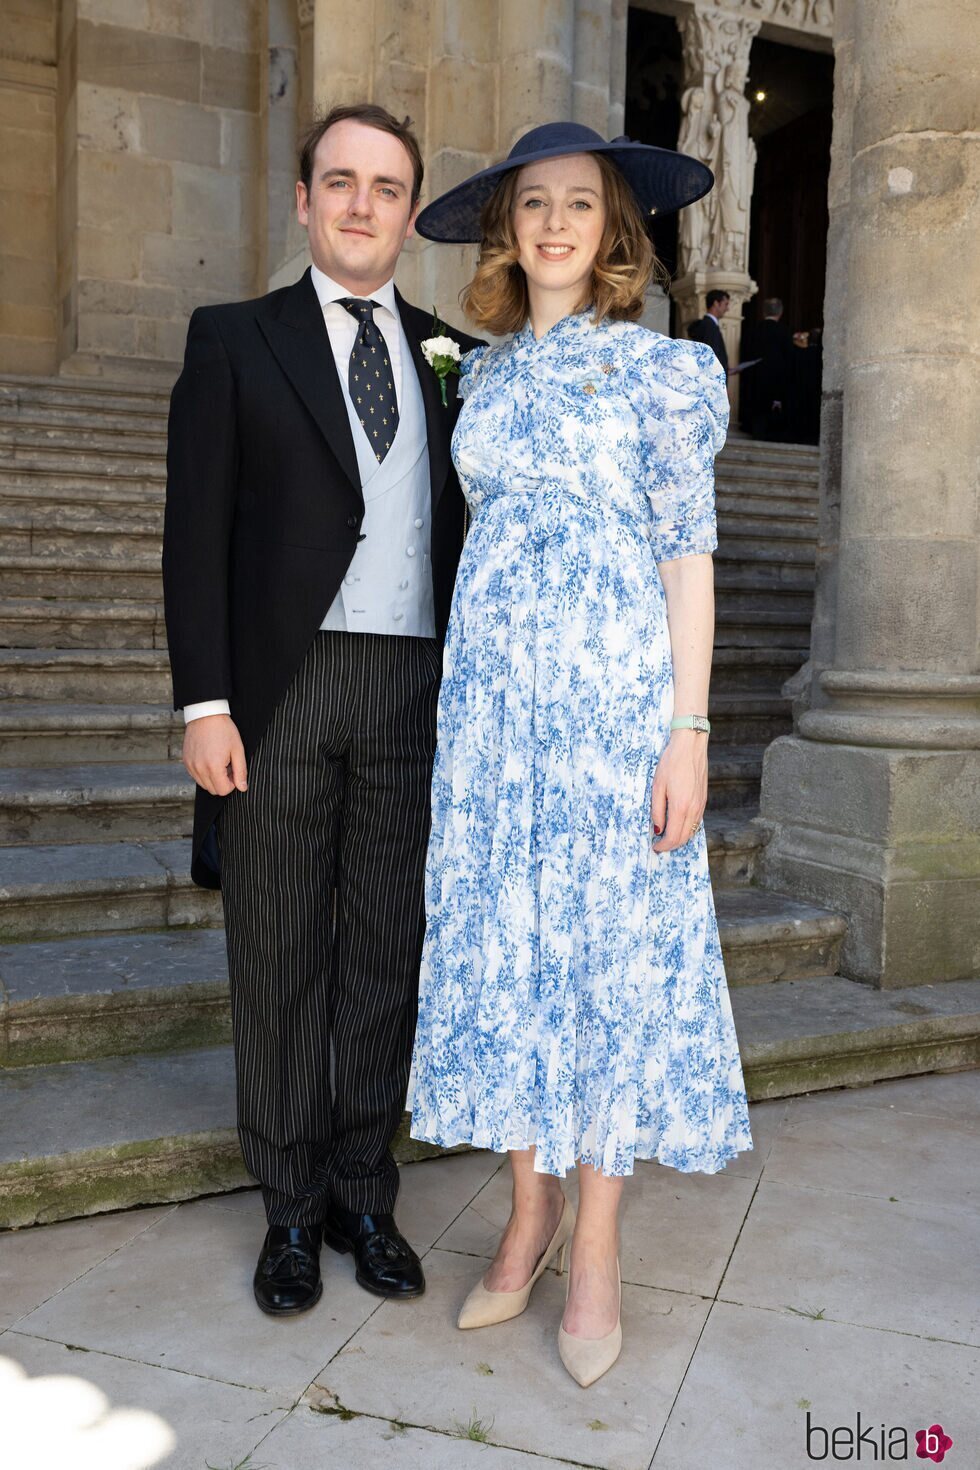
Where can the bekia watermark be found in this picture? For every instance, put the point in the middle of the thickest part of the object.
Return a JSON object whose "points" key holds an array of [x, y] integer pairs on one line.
{"points": [[870, 1443]]}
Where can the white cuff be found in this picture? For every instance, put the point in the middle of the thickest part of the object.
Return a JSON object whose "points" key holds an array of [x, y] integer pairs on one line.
{"points": [[209, 707]]}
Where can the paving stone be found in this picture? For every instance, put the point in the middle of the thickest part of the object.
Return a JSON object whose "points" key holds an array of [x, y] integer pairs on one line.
{"points": [[875, 1151], [313, 1436], [36, 1264], [757, 1374], [207, 1258], [416, 1368], [808, 1248], [83, 1408]]}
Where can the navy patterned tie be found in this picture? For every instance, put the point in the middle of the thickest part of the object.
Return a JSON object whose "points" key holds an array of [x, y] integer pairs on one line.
{"points": [[369, 377]]}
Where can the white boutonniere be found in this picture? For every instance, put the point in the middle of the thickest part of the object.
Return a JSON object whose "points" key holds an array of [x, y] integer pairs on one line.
{"points": [[442, 353]]}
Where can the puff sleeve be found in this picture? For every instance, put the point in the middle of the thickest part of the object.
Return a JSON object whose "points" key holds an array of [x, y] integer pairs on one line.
{"points": [[684, 420]]}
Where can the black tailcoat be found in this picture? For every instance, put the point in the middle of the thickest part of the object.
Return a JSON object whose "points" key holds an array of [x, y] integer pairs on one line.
{"points": [[264, 506]]}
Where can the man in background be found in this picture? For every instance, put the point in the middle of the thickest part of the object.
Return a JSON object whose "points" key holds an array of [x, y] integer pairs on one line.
{"points": [[766, 406], [706, 328]]}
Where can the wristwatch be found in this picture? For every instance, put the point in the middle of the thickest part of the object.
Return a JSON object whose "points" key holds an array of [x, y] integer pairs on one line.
{"points": [[692, 722]]}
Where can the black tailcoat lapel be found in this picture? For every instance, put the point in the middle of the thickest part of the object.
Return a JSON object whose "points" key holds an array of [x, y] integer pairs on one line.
{"points": [[298, 337]]}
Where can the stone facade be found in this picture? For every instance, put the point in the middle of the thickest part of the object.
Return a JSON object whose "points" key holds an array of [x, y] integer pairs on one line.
{"points": [[148, 146], [147, 165], [28, 144]]}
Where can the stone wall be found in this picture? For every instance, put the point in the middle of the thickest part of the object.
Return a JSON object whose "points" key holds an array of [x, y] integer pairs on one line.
{"points": [[28, 294], [161, 200], [472, 77]]}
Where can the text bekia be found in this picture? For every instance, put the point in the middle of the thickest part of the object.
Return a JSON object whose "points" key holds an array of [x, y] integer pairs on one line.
{"points": [[873, 1443]]}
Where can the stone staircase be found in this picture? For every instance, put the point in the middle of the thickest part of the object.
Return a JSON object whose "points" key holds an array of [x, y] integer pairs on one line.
{"points": [[116, 1079]]}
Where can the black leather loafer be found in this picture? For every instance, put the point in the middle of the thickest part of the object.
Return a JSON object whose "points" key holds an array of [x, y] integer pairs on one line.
{"points": [[384, 1261], [287, 1277]]}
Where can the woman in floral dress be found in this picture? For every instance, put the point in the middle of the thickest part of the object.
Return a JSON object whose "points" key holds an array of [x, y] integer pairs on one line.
{"points": [[573, 1007]]}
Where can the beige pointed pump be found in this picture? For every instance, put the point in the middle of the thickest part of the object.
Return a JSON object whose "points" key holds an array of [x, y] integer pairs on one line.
{"points": [[587, 1358], [483, 1308]]}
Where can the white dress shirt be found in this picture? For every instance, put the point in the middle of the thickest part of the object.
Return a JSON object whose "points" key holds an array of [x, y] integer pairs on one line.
{"points": [[408, 606]]}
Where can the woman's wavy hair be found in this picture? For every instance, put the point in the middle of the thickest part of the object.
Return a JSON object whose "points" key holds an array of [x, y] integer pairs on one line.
{"points": [[496, 299]]}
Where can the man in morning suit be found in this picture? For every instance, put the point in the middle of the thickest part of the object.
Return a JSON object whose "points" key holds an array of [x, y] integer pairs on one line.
{"points": [[706, 328], [313, 528]]}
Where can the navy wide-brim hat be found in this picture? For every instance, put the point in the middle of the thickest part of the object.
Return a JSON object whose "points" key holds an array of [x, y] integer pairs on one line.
{"points": [[661, 179]]}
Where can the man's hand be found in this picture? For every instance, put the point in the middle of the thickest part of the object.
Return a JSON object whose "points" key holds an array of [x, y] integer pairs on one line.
{"points": [[680, 789], [214, 755]]}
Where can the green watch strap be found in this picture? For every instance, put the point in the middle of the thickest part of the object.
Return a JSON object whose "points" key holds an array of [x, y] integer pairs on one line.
{"points": [[692, 722]]}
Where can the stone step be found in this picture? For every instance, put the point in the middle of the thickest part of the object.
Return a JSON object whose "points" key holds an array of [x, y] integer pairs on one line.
{"points": [[58, 890], [739, 447], [98, 888], [86, 803], [51, 623], [765, 573], [68, 532], [741, 670], [734, 774], [117, 800], [43, 733], [21, 433], [84, 1137], [773, 560], [102, 419], [142, 676], [84, 575], [19, 392], [70, 1000], [772, 512], [765, 480], [739, 595], [752, 718], [112, 995], [93, 675], [82, 578], [25, 486], [767, 937], [53, 458], [768, 629], [801, 530], [47, 733]]}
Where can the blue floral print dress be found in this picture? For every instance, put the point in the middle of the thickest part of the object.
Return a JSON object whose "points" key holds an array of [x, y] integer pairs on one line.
{"points": [[572, 993]]}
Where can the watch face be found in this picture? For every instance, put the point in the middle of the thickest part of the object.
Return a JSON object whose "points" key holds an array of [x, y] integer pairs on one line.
{"points": [[700, 723]]}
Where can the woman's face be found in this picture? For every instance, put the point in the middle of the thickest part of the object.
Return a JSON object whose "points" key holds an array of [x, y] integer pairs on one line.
{"points": [[559, 217]]}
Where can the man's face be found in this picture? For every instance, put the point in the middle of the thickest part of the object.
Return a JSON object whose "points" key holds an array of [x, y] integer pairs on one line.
{"points": [[358, 212], [720, 307]]}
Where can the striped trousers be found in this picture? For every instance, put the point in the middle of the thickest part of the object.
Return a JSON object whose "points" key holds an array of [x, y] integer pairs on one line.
{"points": [[322, 863]]}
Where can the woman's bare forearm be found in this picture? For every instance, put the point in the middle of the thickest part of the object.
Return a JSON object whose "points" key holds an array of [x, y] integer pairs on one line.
{"points": [[689, 587]]}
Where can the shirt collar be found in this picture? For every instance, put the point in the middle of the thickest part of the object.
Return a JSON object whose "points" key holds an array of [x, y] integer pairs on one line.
{"points": [[328, 290]]}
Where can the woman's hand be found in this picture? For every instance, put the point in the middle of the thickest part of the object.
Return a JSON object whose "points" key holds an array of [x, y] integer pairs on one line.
{"points": [[680, 789]]}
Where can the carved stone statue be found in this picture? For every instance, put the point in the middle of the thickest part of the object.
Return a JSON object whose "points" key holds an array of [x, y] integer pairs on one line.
{"points": [[728, 249], [699, 135]]}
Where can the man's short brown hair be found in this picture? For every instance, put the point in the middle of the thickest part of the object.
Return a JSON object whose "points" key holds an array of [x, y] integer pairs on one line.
{"points": [[371, 116]]}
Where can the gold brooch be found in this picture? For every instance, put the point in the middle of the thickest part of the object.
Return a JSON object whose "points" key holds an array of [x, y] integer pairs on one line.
{"points": [[588, 387], [606, 367]]}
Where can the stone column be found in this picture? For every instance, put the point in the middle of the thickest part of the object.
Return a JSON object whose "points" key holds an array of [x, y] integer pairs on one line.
{"points": [[873, 804], [714, 233]]}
